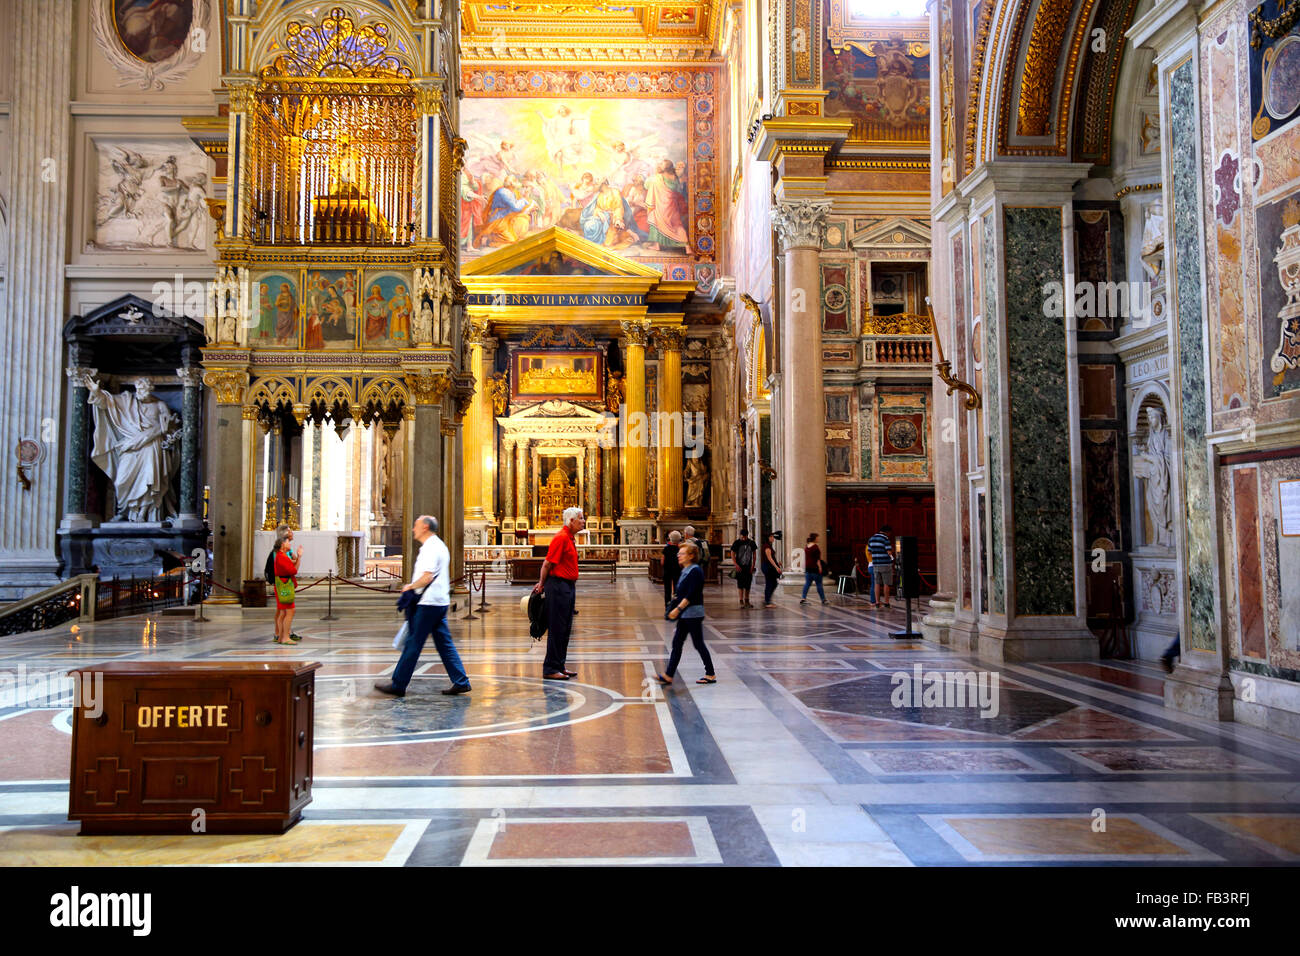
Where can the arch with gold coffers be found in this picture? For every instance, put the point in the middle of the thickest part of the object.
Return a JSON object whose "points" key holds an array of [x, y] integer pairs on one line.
{"points": [[1021, 46]]}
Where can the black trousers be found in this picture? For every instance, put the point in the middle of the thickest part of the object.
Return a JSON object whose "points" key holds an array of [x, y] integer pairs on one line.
{"points": [[669, 581], [770, 581], [693, 626], [559, 606]]}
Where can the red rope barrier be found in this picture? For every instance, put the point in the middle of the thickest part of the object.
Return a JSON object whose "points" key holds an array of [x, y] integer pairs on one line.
{"points": [[366, 587], [224, 588]]}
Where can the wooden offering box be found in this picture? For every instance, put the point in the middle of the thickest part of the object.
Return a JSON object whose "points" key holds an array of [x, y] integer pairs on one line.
{"points": [[192, 747]]}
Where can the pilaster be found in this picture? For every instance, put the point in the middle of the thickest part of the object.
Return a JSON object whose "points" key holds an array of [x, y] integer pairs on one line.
{"points": [[38, 151]]}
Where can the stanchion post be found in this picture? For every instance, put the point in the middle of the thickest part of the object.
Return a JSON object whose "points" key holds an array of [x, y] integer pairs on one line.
{"points": [[200, 618], [482, 586], [329, 610]]}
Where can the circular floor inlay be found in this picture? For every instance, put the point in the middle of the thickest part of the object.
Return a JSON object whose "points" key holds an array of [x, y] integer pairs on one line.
{"points": [[350, 711]]}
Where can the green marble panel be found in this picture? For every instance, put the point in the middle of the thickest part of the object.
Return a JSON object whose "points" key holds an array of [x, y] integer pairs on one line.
{"points": [[1190, 355], [993, 417], [1037, 374]]}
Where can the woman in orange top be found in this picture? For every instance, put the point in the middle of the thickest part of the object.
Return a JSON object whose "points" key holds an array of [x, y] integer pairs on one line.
{"points": [[286, 583]]}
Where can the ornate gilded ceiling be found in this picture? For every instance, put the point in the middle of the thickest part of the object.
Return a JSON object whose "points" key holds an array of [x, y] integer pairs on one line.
{"points": [[620, 30]]}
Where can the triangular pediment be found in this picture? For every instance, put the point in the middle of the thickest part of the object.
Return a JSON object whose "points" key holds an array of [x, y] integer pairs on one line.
{"points": [[557, 252], [898, 232], [555, 409]]}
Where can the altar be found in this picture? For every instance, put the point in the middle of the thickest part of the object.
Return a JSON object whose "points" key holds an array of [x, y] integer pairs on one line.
{"points": [[323, 552]]}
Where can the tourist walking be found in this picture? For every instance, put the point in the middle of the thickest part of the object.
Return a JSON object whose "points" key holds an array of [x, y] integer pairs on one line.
{"points": [[688, 611], [743, 553], [559, 579], [282, 532], [286, 586], [428, 616], [771, 570], [689, 534], [670, 564], [882, 565], [813, 569]]}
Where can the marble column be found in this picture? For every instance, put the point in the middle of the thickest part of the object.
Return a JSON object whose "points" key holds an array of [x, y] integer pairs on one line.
{"points": [[949, 427], [191, 378], [523, 505], [634, 451], [508, 487], [424, 474], [78, 447], [799, 226], [670, 342], [592, 486], [607, 482], [1034, 463], [453, 505], [32, 315], [1200, 685], [230, 476]]}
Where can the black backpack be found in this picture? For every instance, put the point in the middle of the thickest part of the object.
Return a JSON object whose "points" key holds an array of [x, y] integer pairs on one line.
{"points": [[269, 571]]}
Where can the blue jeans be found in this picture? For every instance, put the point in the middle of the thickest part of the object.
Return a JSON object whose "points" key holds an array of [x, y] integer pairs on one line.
{"points": [[808, 578], [426, 619]]}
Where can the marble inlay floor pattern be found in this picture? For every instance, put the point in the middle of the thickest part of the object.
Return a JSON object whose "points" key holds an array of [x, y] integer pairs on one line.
{"points": [[801, 754]]}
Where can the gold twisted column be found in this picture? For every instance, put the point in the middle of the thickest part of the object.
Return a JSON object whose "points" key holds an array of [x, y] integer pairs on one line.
{"points": [[634, 490], [671, 427]]}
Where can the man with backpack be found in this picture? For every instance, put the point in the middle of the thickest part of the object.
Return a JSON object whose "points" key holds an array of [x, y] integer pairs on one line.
{"points": [[743, 553]]}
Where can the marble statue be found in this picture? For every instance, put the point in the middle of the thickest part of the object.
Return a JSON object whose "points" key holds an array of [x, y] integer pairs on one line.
{"points": [[424, 324], [1153, 239], [1151, 462], [444, 321], [137, 445], [697, 473]]}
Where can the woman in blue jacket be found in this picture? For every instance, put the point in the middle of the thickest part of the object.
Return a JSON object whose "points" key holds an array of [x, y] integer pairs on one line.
{"points": [[688, 611]]}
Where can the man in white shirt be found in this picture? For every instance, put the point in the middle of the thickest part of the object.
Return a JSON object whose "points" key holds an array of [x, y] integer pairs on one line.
{"points": [[429, 616]]}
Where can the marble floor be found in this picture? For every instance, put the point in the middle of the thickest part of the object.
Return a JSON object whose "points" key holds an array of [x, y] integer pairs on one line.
{"points": [[824, 742]]}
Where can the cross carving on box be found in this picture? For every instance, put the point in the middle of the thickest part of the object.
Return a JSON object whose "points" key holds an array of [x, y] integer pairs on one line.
{"points": [[252, 781], [106, 782]]}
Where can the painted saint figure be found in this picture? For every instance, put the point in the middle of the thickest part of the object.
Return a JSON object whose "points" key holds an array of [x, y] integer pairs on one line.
{"points": [[665, 204], [399, 315]]}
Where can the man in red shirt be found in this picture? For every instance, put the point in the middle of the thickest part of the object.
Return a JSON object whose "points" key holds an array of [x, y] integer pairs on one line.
{"points": [[559, 578]]}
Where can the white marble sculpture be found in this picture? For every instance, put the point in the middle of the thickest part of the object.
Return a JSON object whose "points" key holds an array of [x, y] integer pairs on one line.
{"points": [[424, 324], [151, 196], [1151, 463], [137, 445]]}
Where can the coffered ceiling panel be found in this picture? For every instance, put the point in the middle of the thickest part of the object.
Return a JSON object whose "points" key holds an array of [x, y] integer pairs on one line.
{"points": [[614, 31]]}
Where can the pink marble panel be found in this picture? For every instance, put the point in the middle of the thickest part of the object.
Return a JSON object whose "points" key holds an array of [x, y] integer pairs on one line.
{"points": [[1250, 572]]}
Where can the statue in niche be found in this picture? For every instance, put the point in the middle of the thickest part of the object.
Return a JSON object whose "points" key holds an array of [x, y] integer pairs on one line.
{"points": [[1151, 463], [499, 391], [424, 324], [697, 475], [444, 321], [613, 391], [136, 445], [1153, 239]]}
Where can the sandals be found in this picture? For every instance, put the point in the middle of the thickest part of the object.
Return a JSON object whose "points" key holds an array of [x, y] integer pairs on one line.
{"points": [[707, 679], [666, 681]]}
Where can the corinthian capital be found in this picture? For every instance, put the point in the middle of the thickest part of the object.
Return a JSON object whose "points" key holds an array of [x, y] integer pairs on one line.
{"points": [[636, 333], [671, 339], [800, 223]]}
